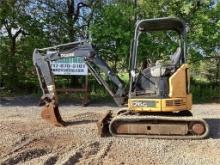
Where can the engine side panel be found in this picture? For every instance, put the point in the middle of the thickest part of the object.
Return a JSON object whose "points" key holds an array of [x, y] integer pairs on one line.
{"points": [[178, 82], [160, 105]]}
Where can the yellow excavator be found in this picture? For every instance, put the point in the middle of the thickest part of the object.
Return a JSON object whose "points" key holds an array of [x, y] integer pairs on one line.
{"points": [[158, 101]]}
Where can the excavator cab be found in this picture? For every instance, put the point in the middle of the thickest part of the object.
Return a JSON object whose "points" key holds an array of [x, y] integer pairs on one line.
{"points": [[153, 81], [153, 87]]}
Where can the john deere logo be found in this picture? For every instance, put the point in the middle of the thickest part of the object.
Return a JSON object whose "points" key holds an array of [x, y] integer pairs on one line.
{"points": [[67, 54]]}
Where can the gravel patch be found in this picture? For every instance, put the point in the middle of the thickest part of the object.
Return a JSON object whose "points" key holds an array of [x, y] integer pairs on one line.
{"points": [[27, 139]]}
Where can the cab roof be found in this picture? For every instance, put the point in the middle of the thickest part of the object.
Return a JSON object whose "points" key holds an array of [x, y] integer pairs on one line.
{"points": [[161, 24]]}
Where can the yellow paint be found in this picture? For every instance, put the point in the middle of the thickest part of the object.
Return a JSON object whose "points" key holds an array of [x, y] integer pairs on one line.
{"points": [[177, 82], [189, 101], [161, 105]]}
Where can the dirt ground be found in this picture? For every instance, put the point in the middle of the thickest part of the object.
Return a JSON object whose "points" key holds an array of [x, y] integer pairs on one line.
{"points": [[26, 139]]}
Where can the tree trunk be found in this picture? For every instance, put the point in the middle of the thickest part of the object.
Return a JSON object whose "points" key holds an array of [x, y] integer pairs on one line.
{"points": [[12, 67], [70, 15], [115, 64]]}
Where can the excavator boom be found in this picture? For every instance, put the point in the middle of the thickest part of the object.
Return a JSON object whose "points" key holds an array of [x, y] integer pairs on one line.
{"points": [[42, 59]]}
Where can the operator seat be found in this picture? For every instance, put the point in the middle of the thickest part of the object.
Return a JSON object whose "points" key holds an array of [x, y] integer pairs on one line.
{"points": [[175, 58], [154, 80], [161, 69]]}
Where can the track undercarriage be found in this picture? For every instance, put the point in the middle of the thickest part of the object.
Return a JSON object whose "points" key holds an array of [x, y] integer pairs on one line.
{"points": [[168, 126], [125, 123]]}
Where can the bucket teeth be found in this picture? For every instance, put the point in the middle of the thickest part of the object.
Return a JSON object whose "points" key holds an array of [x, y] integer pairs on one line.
{"points": [[51, 114]]}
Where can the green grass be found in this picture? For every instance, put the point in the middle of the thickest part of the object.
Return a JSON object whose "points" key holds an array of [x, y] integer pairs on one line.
{"points": [[124, 77], [204, 92]]}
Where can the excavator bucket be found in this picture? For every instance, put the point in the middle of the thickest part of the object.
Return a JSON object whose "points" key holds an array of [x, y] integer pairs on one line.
{"points": [[51, 114], [103, 124]]}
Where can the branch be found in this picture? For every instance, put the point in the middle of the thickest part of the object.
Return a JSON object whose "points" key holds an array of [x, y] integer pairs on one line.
{"points": [[70, 6], [79, 6], [5, 22], [92, 6], [20, 31]]}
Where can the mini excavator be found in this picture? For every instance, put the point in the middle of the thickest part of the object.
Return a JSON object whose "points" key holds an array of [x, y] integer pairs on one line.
{"points": [[158, 101]]}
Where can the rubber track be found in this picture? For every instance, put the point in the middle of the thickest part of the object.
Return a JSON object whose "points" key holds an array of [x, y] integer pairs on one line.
{"points": [[133, 118]]}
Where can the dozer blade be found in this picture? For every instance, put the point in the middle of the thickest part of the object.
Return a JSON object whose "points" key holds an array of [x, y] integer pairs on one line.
{"points": [[158, 127], [103, 124], [51, 114]]}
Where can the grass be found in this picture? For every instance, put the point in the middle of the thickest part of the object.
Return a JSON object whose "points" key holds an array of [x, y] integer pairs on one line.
{"points": [[124, 77], [202, 91]]}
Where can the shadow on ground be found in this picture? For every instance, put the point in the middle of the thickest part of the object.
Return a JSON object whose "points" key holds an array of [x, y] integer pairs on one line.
{"points": [[63, 101], [214, 128], [19, 101], [69, 123]]}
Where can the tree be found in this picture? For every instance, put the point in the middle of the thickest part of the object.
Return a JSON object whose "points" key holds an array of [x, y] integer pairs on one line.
{"points": [[13, 20], [29, 24], [112, 30], [202, 20]]}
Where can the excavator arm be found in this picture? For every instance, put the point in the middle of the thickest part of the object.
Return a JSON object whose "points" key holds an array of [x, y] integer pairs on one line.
{"points": [[42, 59]]}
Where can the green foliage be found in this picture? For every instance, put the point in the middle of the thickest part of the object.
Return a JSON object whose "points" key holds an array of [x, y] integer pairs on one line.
{"points": [[204, 92], [20, 34], [112, 31]]}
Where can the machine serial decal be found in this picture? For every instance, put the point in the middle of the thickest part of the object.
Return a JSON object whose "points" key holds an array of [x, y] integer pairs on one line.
{"points": [[144, 103]]}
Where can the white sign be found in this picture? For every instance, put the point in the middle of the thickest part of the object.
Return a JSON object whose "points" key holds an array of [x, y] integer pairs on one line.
{"points": [[69, 66]]}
